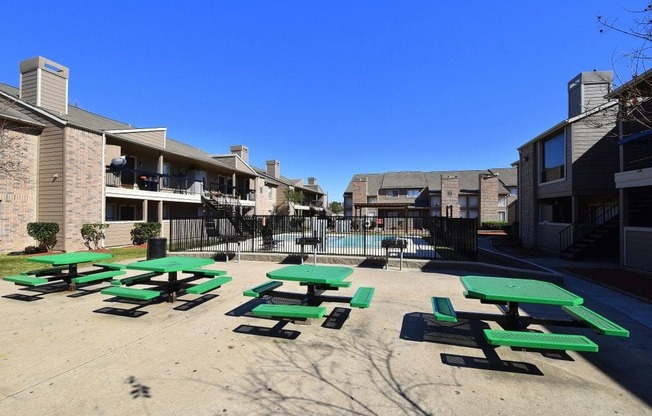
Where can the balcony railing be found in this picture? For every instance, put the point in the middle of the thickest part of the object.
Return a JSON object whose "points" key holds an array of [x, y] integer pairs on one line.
{"points": [[150, 181], [637, 154], [242, 192]]}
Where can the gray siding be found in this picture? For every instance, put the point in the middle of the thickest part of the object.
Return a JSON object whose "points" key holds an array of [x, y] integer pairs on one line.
{"points": [[637, 249], [549, 235], [594, 155]]}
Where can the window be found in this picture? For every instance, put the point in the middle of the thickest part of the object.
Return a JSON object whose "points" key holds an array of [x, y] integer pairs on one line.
{"points": [[392, 193], [502, 216], [166, 172], [435, 201], [556, 210], [502, 200], [468, 206], [413, 193], [552, 159], [110, 212], [513, 191], [127, 213]]}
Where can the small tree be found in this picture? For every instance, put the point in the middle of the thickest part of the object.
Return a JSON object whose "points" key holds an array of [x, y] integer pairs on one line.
{"points": [[93, 233], [44, 232], [335, 207], [144, 231], [293, 196]]}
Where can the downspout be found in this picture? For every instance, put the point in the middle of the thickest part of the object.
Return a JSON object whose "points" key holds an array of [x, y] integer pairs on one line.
{"points": [[64, 179]]}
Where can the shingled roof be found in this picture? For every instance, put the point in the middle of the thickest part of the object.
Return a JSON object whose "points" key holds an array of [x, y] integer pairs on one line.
{"points": [[103, 125], [468, 180]]}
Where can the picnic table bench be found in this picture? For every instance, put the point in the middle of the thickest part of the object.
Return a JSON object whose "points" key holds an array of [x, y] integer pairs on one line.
{"points": [[510, 292], [317, 279]]}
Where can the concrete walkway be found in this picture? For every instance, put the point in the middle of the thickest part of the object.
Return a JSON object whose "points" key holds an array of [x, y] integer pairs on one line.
{"points": [[84, 353]]}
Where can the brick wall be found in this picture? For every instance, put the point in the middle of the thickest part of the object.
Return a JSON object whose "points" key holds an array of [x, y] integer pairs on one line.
{"points": [[18, 186], [527, 218], [83, 176], [450, 189], [359, 195], [489, 198]]}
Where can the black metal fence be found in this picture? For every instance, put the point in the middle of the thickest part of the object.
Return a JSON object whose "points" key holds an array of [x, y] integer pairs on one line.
{"points": [[435, 238]]}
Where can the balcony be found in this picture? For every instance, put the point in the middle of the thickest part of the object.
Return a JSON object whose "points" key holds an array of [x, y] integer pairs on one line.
{"points": [[637, 154], [153, 182]]}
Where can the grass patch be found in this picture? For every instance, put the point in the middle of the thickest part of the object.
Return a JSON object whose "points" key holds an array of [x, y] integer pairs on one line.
{"points": [[15, 264]]}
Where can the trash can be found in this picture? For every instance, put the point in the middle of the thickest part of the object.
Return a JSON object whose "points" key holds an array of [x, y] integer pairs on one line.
{"points": [[156, 248]]}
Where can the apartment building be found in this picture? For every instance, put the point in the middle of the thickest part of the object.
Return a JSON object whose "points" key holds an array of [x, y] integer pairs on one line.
{"points": [[566, 174], [489, 195], [63, 164]]}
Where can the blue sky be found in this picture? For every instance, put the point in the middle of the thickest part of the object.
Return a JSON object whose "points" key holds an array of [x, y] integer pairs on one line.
{"points": [[328, 88]]}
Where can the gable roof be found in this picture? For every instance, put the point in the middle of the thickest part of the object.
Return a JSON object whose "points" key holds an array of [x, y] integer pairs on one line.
{"points": [[103, 125]]}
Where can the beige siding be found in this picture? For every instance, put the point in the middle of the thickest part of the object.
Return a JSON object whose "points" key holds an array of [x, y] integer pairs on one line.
{"points": [[156, 138], [53, 92], [18, 189], [50, 200], [84, 176], [29, 87], [118, 234]]}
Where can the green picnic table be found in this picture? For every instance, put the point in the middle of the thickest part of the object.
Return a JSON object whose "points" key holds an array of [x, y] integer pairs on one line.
{"points": [[515, 291], [68, 261], [509, 293], [311, 273], [317, 279], [171, 265]]}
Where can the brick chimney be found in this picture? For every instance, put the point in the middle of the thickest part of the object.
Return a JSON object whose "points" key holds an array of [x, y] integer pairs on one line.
{"points": [[587, 90], [242, 151], [274, 168], [44, 83], [450, 189]]}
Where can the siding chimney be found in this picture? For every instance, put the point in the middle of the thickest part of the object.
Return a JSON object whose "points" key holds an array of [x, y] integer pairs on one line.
{"points": [[44, 83], [587, 91], [312, 181], [274, 168], [242, 151]]}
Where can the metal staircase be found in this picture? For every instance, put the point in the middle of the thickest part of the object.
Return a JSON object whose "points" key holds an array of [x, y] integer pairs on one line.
{"points": [[590, 232], [225, 208]]}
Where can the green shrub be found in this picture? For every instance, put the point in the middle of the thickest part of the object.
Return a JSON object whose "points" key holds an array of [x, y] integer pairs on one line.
{"points": [[44, 232], [494, 225], [143, 231], [93, 233]]}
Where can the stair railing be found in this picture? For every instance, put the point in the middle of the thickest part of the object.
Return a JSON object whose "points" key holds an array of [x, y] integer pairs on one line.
{"points": [[588, 223]]}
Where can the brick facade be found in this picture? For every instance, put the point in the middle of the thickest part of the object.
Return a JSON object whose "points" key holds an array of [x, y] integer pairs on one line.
{"points": [[450, 190], [489, 198], [527, 196], [83, 184], [18, 186]]}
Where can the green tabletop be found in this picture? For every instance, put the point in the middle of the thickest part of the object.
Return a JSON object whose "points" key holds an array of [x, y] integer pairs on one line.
{"points": [[170, 264], [518, 290], [70, 258], [311, 273]]}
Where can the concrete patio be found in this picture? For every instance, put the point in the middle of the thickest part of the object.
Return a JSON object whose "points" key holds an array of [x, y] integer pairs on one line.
{"points": [[64, 353]]}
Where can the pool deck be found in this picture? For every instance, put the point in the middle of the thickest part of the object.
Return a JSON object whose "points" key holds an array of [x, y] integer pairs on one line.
{"points": [[60, 356]]}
